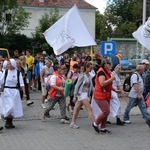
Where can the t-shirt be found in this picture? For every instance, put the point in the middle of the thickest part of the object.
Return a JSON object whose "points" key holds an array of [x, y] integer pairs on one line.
{"points": [[47, 71], [71, 64], [29, 61], [136, 79]]}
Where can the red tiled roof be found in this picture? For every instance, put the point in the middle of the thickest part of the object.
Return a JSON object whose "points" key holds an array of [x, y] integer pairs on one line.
{"points": [[56, 3]]}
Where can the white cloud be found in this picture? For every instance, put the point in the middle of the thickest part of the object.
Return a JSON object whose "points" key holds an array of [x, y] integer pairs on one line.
{"points": [[100, 4]]}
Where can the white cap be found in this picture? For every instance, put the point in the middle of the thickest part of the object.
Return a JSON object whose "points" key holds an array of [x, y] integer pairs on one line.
{"points": [[145, 61], [44, 52]]}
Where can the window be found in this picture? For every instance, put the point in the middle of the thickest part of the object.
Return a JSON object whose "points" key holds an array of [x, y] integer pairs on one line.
{"points": [[41, 0]]}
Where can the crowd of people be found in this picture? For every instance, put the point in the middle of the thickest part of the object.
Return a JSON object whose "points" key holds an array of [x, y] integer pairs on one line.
{"points": [[94, 85]]}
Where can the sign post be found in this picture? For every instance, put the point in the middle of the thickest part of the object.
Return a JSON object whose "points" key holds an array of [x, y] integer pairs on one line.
{"points": [[108, 48]]}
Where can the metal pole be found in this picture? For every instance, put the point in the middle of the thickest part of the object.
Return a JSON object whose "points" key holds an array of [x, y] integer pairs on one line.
{"points": [[144, 19]]}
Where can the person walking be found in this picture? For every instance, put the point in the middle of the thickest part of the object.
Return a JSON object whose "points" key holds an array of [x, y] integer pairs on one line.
{"points": [[115, 106], [136, 97], [25, 80], [56, 94], [73, 75], [45, 72], [102, 95], [82, 92], [11, 101], [38, 68]]}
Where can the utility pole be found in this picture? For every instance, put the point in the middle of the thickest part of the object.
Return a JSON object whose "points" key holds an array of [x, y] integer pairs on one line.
{"points": [[144, 19]]}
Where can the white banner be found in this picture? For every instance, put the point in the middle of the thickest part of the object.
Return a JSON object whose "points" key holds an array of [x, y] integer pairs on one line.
{"points": [[67, 32], [143, 34]]}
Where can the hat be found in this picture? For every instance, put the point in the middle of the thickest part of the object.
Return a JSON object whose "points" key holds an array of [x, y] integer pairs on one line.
{"points": [[44, 52], [105, 61], [145, 61], [13, 63]]}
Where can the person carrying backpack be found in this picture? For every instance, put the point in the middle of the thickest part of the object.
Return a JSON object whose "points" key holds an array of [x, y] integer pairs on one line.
{"points": [[136, 96], [56, 95], [73, 75], [10, 97]]}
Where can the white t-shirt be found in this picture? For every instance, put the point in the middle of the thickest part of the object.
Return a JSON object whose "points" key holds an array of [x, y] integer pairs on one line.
{"points": [[136, 78]]}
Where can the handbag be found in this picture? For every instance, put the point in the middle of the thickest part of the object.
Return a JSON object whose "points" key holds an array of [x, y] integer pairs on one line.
{"points": [[148, 100]]}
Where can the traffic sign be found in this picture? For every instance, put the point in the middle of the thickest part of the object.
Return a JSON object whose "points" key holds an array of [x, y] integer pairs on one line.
{"points": [[108, 48]]}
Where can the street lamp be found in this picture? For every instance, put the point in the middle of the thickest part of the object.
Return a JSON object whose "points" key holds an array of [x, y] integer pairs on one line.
{"points": [[144, 19]]}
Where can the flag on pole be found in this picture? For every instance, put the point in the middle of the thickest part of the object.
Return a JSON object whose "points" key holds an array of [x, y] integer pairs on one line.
{"points": [[143, 34], [69, 31], [91, 53]]}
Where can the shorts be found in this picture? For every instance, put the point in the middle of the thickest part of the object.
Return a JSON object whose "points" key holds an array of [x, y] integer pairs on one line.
{"points": [[44, 91], [83, 96], [30, 75]]}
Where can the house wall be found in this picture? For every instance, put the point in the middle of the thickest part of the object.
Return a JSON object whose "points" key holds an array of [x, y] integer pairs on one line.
{"points": [[88, 16]]}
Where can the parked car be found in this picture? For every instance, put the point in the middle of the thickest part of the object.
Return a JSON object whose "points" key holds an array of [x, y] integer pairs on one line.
{"points": [[137, 59], [125, 64], [4, 52]]}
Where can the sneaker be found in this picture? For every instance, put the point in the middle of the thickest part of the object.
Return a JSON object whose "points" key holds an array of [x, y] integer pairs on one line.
{"points": [[43, 106], [1, 128], [105, 131], [74, 126], [95, 128], [64, 121], [108, 122], [29, 102], [46, 100], [119, 122], [67, 118], [47, 115], [127, 121], [148, 122]]}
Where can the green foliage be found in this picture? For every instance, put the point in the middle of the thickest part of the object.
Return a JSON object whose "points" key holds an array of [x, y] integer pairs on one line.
{"points": [[103, 29], [13, 18], [15, 41], [125, 30], [44, 23], [125, 16]]}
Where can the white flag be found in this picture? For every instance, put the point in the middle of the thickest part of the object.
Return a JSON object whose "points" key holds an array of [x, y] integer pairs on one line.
{"points": [[67, 32], [143, 34]]}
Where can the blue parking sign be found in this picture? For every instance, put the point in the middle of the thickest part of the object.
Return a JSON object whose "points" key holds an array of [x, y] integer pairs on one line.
{"points": [[108, 48]]}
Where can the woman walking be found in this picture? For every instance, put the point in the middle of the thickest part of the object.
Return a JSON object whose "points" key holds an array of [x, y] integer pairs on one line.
{"points": [[56, 94], [45, 72], [11, 101], [82, 92], [102, 95]]}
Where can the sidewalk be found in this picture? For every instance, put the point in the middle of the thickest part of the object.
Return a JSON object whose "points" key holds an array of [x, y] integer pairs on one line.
{"points": [[33, 134]]}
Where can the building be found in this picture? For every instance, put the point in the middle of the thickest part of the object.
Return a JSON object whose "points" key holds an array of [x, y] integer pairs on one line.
{"points": [[40, 7]]}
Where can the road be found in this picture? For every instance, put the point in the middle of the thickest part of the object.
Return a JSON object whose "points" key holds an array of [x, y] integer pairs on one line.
{"points": [[33, 134]]}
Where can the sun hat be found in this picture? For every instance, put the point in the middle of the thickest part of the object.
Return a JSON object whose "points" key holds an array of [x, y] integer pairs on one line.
{"points": [[145, 61]]}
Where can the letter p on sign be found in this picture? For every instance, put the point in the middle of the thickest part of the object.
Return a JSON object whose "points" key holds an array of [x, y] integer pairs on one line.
{"points": [[108, 48]]}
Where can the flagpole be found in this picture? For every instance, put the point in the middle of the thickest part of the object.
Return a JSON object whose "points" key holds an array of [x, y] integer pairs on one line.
{"points": [[143, 22]]}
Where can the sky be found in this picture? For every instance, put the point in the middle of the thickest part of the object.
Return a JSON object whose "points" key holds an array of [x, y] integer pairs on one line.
{"points": [[100, 4]]}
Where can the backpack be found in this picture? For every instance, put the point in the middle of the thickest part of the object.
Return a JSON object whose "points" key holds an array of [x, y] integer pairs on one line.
{"points": [[47, 83], [127, 83], [147, 81], [18, 83]]}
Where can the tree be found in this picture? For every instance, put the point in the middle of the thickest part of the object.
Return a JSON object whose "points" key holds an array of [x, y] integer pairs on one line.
{"points": [[13, 18], [125, 16], [103, 29]]}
